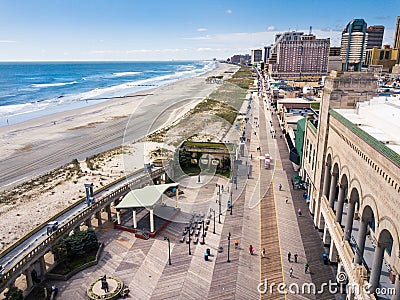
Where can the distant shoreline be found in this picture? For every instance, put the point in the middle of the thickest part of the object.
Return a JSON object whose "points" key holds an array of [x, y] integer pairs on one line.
{"points": [[48, 142], [77, 90]]}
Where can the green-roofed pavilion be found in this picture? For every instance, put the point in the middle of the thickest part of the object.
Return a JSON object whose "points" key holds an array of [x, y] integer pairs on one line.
{"points": [[146, 197]]}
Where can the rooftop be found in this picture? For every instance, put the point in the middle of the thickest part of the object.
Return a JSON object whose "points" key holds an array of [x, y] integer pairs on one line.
{"points": [[379, 117], [145, 197], [294, 100]]}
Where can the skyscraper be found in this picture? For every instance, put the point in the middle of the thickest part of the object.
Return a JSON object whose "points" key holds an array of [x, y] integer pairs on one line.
{"points": [[256, 56], [375, 36], [396, 44], [267, 52], [302, 56], [354, 38]]}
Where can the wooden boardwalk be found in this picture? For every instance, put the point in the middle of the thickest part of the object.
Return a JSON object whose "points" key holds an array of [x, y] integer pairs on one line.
{"points": [[298, 235], [271, 265], [224, 279], [268, 223]]}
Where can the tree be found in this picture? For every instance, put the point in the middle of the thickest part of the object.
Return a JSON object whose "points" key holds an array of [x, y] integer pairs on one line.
{"points": [[79, 243], [184, 158]]}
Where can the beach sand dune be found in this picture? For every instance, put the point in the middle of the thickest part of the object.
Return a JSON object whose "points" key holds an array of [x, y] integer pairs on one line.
{"points": [[38, 146], [34, 147]]}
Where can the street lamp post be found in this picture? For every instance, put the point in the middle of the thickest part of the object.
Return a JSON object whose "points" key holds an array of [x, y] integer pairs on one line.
{"points": [[229, 245], [219, 202], [190, 253], [169, 249], [231, 203], [213, 211], [203, 242]]}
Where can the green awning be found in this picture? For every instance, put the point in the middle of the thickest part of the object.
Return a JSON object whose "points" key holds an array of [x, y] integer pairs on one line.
{"points": [[145, 197]]}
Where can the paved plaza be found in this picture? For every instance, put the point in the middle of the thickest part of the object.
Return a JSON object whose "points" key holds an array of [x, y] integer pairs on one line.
{"points": [[260, 217]]}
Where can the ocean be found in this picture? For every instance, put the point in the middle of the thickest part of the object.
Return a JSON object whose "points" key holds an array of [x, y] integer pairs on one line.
{"points": [[33, 89]]}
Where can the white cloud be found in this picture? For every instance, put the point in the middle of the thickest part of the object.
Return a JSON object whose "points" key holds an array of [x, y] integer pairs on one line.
{"points": [[224, 45], [7, 41], [271, 28], [228, 11], [213, 49], [157, 50], [201, 29], [205, 37], [166, 50]]}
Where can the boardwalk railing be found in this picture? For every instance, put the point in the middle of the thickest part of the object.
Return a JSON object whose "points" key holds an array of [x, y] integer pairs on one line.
{"points": [[40, 249], [44, 224]]}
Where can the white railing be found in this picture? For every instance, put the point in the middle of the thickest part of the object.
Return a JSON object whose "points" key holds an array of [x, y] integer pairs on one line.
{"points": [[39, 250]]}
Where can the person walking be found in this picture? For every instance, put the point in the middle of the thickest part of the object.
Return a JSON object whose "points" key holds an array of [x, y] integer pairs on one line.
{"points": [[295, 258], [291, 273], [236, 244], [289, 255], [299, 212], [251, 249], [286, 199], [263, 253], [306, 266], [280, 187]]}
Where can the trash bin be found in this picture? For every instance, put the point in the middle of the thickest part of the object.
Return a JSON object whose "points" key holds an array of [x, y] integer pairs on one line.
{"points": [[208, 251], [206, 256], [325, 259]]}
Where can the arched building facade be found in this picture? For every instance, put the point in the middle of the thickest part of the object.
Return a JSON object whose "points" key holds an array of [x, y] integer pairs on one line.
{"points": [[352, 165]]}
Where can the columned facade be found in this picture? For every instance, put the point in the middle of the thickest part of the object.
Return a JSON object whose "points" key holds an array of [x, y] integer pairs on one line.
{"points": [[354, 188]]}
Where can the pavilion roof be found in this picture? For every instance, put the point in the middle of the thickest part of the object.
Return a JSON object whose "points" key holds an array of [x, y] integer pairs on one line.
{"points": [[145, 197]]}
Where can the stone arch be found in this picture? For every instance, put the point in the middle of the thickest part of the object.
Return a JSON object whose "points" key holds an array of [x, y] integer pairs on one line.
{"points": [[354, 184], [344, 171], [355, 197], [344, 181], [369, 217], [368, 202], [387, 226], [328, 159], [335, 168], [336, 161]]}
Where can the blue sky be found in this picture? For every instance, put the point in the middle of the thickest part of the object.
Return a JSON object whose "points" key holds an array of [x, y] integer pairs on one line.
{"points": [[47, 30]]}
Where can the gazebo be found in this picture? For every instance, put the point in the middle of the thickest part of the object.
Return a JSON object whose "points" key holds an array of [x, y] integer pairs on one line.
{"points": [[146, 197]]}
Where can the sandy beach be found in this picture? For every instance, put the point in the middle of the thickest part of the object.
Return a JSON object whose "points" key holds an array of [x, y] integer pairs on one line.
{"points": [[37, 146]]}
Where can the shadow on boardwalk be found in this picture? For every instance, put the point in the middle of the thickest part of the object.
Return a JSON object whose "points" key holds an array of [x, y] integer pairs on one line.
{"points": [[310, 236]]}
